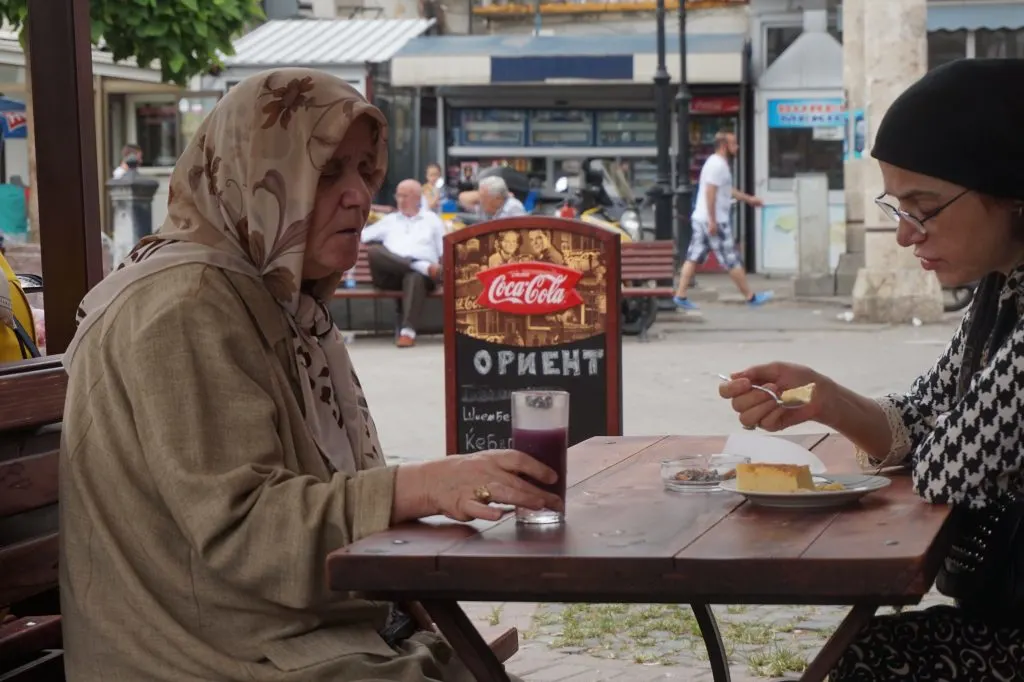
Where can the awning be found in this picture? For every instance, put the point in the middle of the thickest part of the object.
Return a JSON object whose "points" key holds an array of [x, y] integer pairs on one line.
{"points": [[971, 16], [628, 58], [324, 43]]}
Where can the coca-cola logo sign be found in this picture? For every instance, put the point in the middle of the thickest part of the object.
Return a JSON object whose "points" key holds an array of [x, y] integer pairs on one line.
{"points": [[530, 288]]}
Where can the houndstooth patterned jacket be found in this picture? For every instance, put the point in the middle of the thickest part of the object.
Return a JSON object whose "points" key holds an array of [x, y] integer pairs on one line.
{"points": [[969, 450]]}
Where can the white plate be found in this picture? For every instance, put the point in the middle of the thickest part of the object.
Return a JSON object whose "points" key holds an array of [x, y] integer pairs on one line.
{"points": [[857, 486]]}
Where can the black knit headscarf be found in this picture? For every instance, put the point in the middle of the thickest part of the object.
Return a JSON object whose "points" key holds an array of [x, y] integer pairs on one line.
{"points": [[964, 123]]}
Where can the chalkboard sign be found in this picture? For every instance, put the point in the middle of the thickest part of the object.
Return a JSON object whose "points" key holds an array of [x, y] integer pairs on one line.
{"points": [[530, 302]]}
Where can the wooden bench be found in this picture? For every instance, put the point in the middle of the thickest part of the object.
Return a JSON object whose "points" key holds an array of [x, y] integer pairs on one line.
{"points": [[644, 265], [31, 409], [365, 291]]}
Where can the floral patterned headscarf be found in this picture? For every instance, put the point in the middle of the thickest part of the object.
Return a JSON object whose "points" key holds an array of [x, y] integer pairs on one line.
{"points": [[241, 198]]}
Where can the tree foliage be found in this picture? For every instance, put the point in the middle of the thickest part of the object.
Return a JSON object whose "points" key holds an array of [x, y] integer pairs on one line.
{"points": [[186, 37]]}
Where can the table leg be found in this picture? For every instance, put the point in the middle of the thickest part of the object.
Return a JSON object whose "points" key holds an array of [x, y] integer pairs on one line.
{"points": [[839, 642], [712, 641], [470, 647]]}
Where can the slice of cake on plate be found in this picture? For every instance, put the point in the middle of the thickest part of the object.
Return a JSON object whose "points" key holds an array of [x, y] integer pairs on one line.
{"points": [[758, 477]]}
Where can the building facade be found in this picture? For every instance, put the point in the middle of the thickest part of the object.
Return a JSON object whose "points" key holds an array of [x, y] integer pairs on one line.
{"points": [[810, 118]]}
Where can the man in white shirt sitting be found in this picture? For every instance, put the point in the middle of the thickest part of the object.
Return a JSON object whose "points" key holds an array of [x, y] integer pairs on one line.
{"points": [[492, 200], [407, 255]]}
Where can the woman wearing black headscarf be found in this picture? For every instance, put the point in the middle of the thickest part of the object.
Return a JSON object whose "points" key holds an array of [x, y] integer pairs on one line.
{"points": [[951, 151]]}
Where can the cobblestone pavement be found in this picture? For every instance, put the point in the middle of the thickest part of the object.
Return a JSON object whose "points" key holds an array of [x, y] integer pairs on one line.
{"points": [[669, 387], [643, 642]]}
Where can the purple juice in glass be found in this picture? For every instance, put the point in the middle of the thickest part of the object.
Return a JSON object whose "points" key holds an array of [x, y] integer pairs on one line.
{"points": [[548, 446], [540, 428]]}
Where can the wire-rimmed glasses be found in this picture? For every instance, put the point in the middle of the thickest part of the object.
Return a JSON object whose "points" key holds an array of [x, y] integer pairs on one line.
{"points": [[898, 214]]}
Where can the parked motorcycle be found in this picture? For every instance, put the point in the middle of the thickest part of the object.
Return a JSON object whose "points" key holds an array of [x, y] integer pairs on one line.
{"points": [[603, 197]]}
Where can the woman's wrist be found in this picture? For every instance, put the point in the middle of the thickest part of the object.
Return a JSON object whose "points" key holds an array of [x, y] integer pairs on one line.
{"points": [[411, 496], [858, 418]]}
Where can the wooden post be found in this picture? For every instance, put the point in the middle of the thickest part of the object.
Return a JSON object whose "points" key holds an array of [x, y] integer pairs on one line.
{"points": [[60, 60]]}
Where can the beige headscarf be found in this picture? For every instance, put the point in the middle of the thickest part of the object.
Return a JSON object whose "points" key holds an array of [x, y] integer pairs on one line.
{"points": [[241, 199]]}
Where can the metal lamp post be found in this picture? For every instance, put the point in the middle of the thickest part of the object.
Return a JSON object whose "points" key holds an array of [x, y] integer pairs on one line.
{"points": [[661, 193], [684, 191]]}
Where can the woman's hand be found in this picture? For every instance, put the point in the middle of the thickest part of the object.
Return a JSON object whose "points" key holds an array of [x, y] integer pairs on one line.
{"points": [[449, 486], [758, 409]]}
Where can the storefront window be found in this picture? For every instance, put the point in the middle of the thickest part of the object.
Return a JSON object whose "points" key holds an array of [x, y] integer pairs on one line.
{"points": [[945, 47], [164, 127], [1001, 44], [193, 110], [805, 136], [156, 131]]}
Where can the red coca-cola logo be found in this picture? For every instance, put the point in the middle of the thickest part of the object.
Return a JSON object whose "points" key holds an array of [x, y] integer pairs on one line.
{"points": [[529, 288]]}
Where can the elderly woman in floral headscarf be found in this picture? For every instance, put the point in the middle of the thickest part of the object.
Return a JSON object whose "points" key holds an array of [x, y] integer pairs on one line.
{"points": [[217, 444]]}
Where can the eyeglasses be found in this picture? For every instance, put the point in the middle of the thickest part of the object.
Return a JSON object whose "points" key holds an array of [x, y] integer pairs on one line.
{"points": [[918, 222]]}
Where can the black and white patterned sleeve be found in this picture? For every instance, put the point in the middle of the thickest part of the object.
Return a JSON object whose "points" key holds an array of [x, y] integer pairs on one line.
{"points": [[912, 415], [974, 453]]}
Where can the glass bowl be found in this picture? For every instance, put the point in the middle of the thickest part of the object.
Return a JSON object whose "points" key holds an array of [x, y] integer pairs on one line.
{"points": [[699, 472]]}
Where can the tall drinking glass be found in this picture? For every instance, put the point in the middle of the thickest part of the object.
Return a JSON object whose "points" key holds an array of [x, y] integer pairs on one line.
{"points": [[540, 428]]}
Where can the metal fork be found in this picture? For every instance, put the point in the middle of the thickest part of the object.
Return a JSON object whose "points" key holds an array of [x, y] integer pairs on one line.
{"points": [[779, 401]]}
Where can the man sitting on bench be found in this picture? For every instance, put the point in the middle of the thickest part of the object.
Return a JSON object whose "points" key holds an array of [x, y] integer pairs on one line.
{"points": [[407, 254]]}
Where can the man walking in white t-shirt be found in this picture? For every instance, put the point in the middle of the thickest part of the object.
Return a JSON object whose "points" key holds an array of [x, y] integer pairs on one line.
{"points": [[710, 221]]}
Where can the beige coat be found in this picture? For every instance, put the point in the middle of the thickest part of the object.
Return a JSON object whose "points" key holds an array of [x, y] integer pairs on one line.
{"points": [[196, 512]]}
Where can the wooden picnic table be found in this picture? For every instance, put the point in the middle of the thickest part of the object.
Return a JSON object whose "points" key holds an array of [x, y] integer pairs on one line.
{"points": [[627, 540]]}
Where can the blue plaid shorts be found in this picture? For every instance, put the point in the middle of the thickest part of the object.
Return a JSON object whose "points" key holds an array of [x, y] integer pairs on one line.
{"points": [[721, 244]]}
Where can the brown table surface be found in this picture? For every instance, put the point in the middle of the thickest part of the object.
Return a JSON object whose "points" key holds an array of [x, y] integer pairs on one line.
{"points": [[627, 539]]}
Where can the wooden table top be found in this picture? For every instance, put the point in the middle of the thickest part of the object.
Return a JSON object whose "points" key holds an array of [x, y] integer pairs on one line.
{"points": [[626, 539]]}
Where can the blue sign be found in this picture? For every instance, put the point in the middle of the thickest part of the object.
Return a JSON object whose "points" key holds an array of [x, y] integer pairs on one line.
{"points": [[13, 121], [806, 113]]}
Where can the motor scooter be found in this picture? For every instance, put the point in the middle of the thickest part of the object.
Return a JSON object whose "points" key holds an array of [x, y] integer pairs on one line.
{"points": [[602, 196]]}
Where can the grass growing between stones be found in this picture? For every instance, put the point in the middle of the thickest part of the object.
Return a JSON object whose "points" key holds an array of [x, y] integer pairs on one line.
{"points": [[770, 641]]}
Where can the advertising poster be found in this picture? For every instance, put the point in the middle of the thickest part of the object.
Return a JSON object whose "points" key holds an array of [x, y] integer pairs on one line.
{"points": [[531, 310], [860, 133]]}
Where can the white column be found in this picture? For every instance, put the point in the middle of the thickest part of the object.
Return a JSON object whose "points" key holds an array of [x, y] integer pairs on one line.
{"points": [[891, 287], [851, 262]]}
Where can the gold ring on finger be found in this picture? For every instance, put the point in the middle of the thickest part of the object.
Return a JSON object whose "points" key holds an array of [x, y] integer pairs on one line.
{"points": [[482, 495]]}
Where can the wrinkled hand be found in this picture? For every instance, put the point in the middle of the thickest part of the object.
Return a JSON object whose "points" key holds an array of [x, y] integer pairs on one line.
{"points": [[450, 484], [757, 409]]}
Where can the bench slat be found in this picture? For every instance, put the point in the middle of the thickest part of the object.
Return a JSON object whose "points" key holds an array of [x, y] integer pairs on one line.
{"points": [[24, 636], [28, 483], [32, 398], [29, 549]]}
